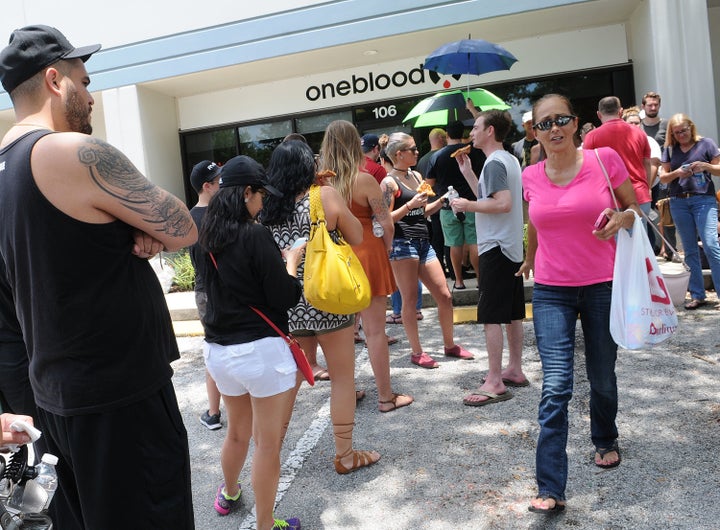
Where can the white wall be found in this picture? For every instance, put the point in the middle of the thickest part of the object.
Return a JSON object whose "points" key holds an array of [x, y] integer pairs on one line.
{"points": [[541, 55], [714, 22], [161, 141], [142, 124]]}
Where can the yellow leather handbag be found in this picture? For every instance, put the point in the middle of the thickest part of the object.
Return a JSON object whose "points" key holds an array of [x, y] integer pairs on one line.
{"points": [[334, 281]]}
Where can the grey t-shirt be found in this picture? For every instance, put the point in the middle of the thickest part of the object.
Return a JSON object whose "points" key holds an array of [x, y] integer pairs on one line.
{"points": [[501, 172]]}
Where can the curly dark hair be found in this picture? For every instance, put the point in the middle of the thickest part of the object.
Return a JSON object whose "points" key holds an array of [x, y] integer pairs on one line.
{"points": [[226, 218], [291, 170]]}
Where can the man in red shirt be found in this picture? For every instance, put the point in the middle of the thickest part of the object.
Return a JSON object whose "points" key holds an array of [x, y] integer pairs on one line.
{"points": [[371, 147], [632, 147]]}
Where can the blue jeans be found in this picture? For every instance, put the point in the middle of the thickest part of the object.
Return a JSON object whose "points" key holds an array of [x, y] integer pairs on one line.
{"points": [[397, 300], [697, 216], [555, 313]]}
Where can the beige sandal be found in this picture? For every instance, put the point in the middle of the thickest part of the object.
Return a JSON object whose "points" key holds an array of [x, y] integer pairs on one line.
{"points": [[360, 458]]}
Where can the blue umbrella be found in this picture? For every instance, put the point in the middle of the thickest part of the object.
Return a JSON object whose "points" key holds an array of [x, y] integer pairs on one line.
{"points": [[469, 56]]}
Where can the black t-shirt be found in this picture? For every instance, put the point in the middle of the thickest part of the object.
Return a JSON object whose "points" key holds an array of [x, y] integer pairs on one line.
{"points": [[250, 272], [446, 172], [198, 212], [657, 131]]}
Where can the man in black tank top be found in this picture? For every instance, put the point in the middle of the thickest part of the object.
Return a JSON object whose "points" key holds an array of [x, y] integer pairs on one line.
{"points": [[79, 222]]}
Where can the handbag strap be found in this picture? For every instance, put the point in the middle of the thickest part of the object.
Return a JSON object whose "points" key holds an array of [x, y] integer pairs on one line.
{"points": [[607, 178], [317, 213], [262, 315], [643, 214]]}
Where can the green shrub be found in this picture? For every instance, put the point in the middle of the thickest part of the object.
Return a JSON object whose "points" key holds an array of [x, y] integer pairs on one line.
{"points": [[184, 279]]}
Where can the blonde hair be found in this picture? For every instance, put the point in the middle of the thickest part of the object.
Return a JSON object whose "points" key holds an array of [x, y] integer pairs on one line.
{"points": [[397, 142], [674, 121], [632, 111], [342, 153]]}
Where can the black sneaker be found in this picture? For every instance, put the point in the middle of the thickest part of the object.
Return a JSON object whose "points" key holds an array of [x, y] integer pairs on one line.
{"points": [[211, 422]]}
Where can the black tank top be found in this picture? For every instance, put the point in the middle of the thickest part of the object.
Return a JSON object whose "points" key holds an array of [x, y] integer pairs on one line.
{"points": [[94, 317], [412, 225]]}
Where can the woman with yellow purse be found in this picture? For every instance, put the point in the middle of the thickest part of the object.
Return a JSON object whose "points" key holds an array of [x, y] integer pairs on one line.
{"points": [[342, 154], [292, 171]]}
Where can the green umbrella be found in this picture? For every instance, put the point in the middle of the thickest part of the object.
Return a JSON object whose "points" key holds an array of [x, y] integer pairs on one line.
{"points": [[445, 107]]}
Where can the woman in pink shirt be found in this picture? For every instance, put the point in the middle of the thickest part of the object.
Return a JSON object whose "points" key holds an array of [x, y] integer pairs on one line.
{"points": [[573, 269]]}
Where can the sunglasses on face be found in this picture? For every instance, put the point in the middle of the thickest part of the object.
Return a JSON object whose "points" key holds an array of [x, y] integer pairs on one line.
{"points": [[414, 149], [560, 121]]}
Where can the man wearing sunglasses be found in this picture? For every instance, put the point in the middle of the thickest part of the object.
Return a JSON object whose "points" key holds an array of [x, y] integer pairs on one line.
{"points": [[629, 142]]}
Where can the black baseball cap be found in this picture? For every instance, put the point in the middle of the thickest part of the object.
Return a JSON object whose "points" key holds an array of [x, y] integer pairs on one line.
{"points": [[203, 172], [33, 48], [244, 171], [369, 142]]}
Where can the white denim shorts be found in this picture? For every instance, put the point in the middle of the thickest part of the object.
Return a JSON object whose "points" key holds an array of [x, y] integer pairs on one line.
{"points": [[263, 368]]}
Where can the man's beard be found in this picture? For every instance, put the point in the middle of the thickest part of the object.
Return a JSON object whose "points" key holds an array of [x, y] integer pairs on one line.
{"points": [[78, 115], [652, 115]]}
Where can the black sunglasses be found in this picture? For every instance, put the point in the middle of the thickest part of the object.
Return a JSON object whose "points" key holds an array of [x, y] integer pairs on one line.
{"points": [[560, 121]]}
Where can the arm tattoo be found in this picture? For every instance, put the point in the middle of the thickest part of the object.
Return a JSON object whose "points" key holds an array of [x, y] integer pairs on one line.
{"points": [[379, 209], [387, 195], [115, 175]]}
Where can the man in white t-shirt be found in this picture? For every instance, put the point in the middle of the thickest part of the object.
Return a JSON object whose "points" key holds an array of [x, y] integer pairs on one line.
{"points": [[499, 228]]}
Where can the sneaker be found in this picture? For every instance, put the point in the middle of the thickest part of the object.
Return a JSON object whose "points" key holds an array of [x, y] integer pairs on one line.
{"points": [[287, 524], [211, 422], [459, 352], [423, 360], [223, 505]]}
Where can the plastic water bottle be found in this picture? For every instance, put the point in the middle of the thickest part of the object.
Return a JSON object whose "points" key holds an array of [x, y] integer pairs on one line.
{"points": [[451, 195], [378, 230], [38, 492]]}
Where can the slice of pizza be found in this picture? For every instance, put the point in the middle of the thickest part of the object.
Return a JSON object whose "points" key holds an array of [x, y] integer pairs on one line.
{"points": [[424, 187], [462, 151]]}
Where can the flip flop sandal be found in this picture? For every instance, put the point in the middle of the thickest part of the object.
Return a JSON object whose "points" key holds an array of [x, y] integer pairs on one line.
{"points": [[694, 304], [559, 507], [508, 382], [492, 398], [393, 319], [602, 452], [322, 375]]}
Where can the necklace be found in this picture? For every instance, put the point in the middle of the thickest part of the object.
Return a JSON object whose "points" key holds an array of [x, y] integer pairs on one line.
{"points": [[30, 125], [403, 171]]}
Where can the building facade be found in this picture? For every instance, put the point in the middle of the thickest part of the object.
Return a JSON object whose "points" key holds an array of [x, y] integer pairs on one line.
{"points": [[179, 81]]}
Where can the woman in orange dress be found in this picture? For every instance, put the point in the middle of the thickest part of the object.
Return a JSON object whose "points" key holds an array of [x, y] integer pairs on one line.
{"points": [[341, 152]]}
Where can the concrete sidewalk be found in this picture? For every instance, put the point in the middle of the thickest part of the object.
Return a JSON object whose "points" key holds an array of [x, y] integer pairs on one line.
{"points": [[185, 317], [447, 466]]}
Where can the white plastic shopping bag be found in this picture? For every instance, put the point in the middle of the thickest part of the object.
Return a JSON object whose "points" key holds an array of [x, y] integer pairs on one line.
{"points": [[641, 311]]}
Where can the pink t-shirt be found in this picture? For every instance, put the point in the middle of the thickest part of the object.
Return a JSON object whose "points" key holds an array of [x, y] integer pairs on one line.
{"points": [[568, 253]]}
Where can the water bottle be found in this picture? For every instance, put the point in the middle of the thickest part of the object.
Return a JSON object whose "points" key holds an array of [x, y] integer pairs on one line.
{"points": [[451, 195], [378, 230], [38, 492]]}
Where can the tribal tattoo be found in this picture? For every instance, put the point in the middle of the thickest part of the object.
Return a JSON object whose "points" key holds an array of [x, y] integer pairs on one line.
{"points": [[115, 175]]}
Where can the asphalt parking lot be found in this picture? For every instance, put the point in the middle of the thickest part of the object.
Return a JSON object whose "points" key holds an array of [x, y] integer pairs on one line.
{"points": [[446, 466]]}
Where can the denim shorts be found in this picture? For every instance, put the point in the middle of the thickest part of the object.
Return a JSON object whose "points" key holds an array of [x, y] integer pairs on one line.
{"points": [[419, 249]]}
